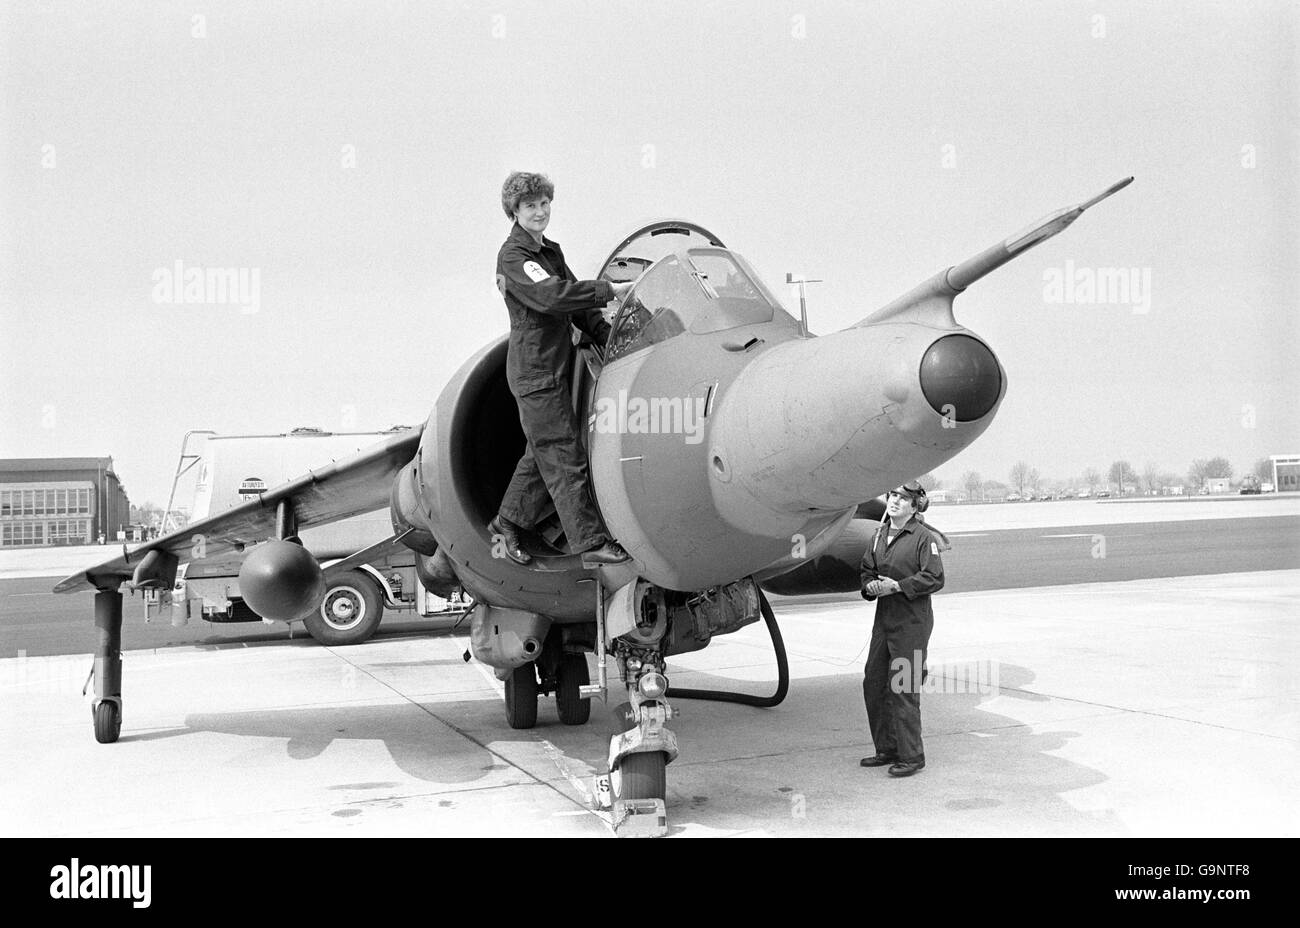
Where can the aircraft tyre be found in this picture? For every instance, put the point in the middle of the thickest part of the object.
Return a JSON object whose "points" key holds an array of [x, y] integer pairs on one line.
{"points": [[570, 676], [521, 696], [349, 613], [108, 721], [642, 776]]}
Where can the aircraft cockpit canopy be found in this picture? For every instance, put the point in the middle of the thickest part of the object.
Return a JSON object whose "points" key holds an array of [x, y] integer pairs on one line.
{"points": [[700, 290]]}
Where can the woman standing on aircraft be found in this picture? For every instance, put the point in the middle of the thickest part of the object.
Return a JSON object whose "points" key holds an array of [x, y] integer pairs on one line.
{"points": [[900, 570], [543, 297]]}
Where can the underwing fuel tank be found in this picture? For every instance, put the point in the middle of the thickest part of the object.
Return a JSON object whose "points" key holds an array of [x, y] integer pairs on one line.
{"points": [[790, 432]]}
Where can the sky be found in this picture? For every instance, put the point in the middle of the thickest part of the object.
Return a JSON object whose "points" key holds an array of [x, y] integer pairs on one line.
{"points": [[349, 156]]}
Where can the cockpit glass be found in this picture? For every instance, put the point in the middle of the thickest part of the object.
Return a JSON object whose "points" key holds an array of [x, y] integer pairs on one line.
{"points": [[659, 307], [702, 289], [648, 244]]}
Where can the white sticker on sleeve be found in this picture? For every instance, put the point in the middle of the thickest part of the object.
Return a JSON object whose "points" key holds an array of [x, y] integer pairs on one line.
{"points": [[934, 549], [536, 273]]}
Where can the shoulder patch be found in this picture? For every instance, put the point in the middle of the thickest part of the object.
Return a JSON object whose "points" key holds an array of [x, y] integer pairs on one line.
{"points": [[536, 273], [934, 549]]}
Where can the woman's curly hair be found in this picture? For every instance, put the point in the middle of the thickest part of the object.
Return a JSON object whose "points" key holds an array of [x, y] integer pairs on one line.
{"points": [[521, 185]]}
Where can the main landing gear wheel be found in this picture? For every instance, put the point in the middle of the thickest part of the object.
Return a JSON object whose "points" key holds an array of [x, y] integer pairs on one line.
{"points": [[641, 776], [571, 676], [350, 611], [521, 696], [108, 722]]}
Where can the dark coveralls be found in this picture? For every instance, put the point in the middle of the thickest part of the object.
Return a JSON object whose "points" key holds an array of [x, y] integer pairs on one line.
{"points": [[901, 633], [543, 297]]}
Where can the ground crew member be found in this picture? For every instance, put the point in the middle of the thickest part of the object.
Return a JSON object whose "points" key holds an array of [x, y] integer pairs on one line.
{"points": [[543, 297], [900, 570]]}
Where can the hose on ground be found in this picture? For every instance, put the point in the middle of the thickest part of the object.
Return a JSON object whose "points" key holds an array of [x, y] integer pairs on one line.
{"points": [[748, 699]]}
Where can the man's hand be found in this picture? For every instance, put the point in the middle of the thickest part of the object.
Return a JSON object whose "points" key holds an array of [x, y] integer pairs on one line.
{"points": [[881, 587], [621, 290]]}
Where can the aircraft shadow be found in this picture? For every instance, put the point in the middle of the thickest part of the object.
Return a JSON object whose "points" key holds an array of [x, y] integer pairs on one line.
{"points": [[987, 773], [421, 746], [995, 770]]}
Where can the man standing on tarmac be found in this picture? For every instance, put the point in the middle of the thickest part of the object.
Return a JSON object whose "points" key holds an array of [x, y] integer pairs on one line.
{"points": [[543, 297], [900, 570]]}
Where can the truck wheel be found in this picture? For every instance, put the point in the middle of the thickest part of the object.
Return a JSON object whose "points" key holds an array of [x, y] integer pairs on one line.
{"points": [[571, 675], [641, 776], [350, 611], [521, 696]]}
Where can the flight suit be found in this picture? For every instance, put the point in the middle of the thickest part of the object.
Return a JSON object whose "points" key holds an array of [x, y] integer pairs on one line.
{"points": [[543, 297], [895, 668]]}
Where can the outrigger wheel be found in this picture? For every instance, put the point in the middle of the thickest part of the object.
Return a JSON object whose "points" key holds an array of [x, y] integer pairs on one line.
{"points": [[521, 696], [108, 721]]}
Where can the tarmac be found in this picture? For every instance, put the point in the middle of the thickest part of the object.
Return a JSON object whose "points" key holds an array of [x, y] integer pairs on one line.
{"points": [[1162, 707]]}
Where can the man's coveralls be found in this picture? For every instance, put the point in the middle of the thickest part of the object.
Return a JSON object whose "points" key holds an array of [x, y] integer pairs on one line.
{"points": [[895, 668], [543, 297]]}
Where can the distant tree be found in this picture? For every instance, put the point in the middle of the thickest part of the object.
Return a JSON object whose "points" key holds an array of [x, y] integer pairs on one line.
{"points": [[1202, 470], [1264, 470], [1091, 478], [928, 481], [973, 484], [1219, 467], [1020, 477], [1151, 480], [994, 489], [1122, 474], [147, 513]]}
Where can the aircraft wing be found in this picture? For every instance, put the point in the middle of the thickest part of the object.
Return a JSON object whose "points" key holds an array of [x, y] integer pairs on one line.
{"points": [[341, 489]]}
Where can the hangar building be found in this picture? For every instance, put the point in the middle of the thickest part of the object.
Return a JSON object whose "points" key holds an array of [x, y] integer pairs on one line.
{"points": [[60, 501]]}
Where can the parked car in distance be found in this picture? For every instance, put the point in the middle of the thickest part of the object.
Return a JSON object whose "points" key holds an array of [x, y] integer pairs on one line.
{"points": [[1266, 488]]}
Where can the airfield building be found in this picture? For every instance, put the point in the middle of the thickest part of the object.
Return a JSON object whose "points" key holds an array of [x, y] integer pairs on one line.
{"points": [[60, 501], [1286, 472]]}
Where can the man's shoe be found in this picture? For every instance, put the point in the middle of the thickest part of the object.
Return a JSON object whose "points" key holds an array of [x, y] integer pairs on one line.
{"points": [[878, 760], [611, 552], [509, 539], [906, 768]]}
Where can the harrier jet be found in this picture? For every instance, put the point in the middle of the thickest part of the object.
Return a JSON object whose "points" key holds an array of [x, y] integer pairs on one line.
{"points": [[730, 451]]}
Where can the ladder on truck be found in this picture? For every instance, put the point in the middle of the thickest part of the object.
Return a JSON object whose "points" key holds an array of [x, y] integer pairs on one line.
{"points": [[184, 464]]}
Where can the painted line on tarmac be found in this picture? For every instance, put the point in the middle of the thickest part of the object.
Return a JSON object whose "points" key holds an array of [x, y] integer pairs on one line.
{"points": [[555, 755], [499, 687]]}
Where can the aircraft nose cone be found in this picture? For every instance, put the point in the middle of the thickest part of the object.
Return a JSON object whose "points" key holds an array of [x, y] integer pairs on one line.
{"points": [[960, 378]]}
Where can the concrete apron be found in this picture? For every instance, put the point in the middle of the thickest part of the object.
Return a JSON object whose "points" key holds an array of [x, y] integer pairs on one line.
{"points": [[1151, 707]]}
